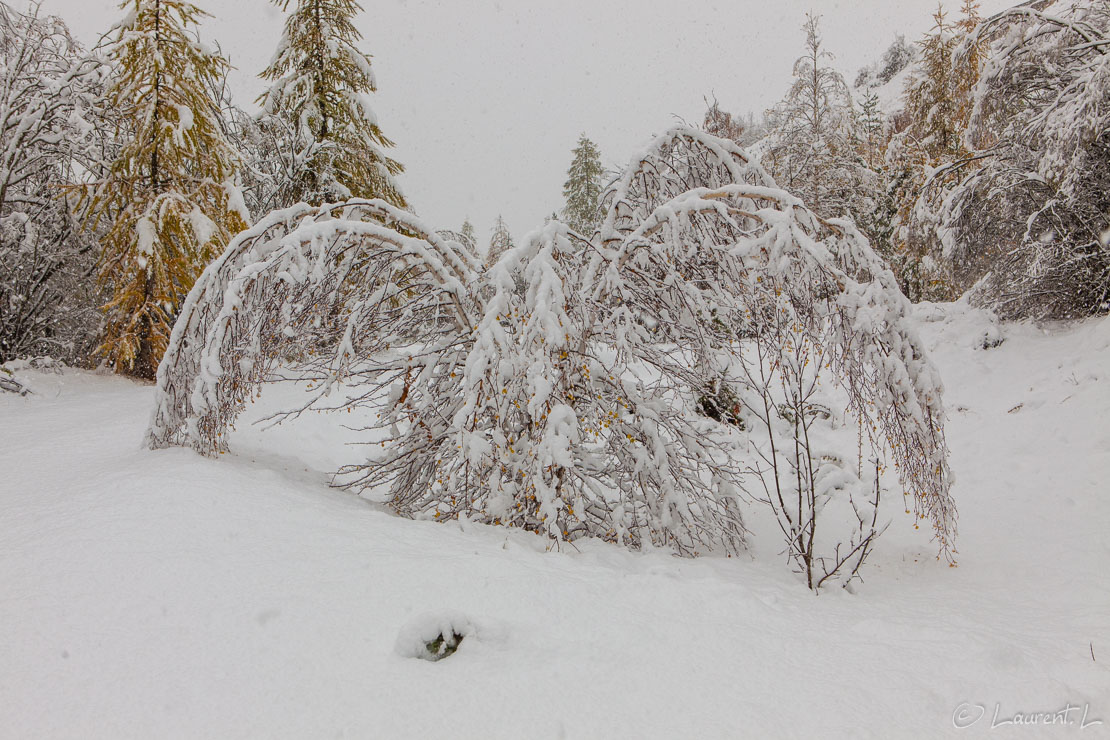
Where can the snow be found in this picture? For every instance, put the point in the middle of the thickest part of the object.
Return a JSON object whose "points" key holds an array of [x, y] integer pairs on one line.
{"points": [[165, 594]]}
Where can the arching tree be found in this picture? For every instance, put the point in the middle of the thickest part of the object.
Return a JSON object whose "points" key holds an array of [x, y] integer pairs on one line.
{"points": [[558, 391], [170, 198], [389, 278], [318, 110]]}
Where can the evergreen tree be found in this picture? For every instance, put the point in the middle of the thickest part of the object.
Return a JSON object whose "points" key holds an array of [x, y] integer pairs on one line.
{"points": [[169, 199], [582, 190], [319, 105]]}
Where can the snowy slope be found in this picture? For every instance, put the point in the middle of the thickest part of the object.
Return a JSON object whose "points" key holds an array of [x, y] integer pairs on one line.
{"points": [[160, 594]]}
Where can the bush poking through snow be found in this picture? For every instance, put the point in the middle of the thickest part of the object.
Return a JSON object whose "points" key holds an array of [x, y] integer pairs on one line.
{"points": [[433, 637], [442, 646], [563, 390]]}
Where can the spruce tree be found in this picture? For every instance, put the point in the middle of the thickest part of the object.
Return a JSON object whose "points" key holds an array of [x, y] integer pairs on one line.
{"points": [[468, 237], [169, 199], [582, 190], [320, 98]]}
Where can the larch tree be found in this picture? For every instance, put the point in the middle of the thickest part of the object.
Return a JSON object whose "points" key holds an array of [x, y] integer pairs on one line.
{"points": [[467, 231], [810, 151], [318, 103], [582, 190], [170, 198], [721, 123], [500, 241], [925, 159]]}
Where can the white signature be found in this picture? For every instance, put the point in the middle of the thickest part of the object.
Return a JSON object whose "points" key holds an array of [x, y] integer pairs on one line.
{"points": [[967, 714]]}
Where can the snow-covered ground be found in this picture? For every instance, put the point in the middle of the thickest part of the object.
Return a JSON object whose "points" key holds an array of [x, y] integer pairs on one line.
{"points": [[161, 594]]}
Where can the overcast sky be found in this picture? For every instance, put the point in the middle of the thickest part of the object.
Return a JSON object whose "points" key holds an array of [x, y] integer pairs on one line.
{"points": [[486, 98]]}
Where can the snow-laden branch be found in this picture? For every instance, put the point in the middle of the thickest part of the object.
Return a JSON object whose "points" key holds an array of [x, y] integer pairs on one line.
{"points": [[576, 388], [364, 270]]}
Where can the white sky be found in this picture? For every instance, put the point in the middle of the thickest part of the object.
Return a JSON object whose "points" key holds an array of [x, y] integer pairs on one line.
{"points": [[486, 98]]}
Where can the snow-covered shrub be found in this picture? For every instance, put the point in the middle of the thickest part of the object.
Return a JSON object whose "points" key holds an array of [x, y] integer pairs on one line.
{"points": [[576, 406]]}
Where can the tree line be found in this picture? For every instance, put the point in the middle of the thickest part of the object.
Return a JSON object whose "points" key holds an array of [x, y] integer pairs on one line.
{"points": [[125, 169]]}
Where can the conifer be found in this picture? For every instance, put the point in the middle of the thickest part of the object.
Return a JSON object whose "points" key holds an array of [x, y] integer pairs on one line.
{"points": [[169, 199], [582, 190], [320, 94]]}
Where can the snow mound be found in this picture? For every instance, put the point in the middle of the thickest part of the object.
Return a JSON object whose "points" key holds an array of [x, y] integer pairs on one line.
{"points": [[962, 323]]}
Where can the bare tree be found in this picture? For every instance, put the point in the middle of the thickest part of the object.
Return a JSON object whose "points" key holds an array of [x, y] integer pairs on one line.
{"points": [[48, 128]]}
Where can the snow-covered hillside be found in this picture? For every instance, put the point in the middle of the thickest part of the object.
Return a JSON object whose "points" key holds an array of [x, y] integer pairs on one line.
{"points": [[161, 594]]}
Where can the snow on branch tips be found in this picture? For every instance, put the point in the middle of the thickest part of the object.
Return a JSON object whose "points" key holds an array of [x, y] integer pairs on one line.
{"points": [[714, 345]]}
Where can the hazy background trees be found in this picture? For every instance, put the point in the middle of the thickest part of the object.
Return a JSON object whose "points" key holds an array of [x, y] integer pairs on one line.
{"points": [[51, 126]]}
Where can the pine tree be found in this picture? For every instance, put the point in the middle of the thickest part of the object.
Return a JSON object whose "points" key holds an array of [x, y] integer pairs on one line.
{"points": [[169, 198], [582, 190], [320, 102]]}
